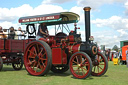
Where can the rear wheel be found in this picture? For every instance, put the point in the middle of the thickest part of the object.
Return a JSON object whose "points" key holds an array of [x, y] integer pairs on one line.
{"points": [[100, 65], [18, 64], [80, 65], [1, 63], [38, 58], [59, 69]]}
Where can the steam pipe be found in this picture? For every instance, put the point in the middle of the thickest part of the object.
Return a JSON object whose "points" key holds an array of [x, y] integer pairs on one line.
{"points": [[87, 23]]}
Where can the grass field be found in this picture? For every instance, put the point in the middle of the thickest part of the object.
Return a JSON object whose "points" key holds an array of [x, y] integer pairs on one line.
{"points": [[116, 75]]}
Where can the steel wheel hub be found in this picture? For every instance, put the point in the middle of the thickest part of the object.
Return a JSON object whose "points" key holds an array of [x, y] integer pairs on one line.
{"points": [[37, 58]]}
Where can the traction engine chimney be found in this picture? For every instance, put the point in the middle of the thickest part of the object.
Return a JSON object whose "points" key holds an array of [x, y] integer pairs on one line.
{"points": [[87, 23]]}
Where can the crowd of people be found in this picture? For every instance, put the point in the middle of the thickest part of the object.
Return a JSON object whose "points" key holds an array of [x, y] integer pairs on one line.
{"points": [[11, 33], [19, 34]]}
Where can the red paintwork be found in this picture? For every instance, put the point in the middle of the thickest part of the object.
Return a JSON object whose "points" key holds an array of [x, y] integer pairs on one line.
{"points": [[13, 45], [74, 48], [58, 56], [9, 48], [71, 38]]}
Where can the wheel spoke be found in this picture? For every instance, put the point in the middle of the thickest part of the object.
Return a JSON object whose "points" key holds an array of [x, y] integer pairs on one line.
{"points": [[101, 64], [43, 54], [74, 62], [83, 61], [100, 68], [76, 70], [83, 68], [31, 57], [32, 52], [34, 64], [37, 48], [74, 66], [85, 64], [94, 68], [40, 52], [43, 64], [30, 62], [40, 66], [77, 60], [82, 71], [37, 66]]}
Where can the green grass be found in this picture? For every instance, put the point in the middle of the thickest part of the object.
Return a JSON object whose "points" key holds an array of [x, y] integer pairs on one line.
{"points": [[116, 75]]}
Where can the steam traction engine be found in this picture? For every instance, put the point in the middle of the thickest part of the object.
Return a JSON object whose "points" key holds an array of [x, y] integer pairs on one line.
{"points": [[62, 52]]}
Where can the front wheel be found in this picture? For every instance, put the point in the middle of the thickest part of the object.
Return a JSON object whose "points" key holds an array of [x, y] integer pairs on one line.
{"points": [[1, 63], [100, 65], [38, 58], [80, 65]]}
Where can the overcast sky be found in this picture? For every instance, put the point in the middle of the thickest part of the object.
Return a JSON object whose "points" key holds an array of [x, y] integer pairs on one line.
{"points": [[109, 18]]}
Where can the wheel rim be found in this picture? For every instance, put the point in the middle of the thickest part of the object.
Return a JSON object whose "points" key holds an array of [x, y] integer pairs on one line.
{"points": [[99, 65], [79, 66], [35, 58]]}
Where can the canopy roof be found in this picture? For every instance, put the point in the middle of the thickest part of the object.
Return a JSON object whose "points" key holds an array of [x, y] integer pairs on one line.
{"points": [[51, 19]]}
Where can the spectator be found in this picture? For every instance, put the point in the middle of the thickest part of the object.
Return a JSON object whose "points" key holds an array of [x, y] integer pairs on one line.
{"points": [[20, 34], [12, 33], [115, 55], [2, 35]]}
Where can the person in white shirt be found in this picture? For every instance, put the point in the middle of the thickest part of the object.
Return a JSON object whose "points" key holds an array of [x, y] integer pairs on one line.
{"points": [[20, 34]]}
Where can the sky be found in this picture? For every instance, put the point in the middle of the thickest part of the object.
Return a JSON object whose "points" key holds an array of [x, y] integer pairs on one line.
{"points": [[109, 18]]}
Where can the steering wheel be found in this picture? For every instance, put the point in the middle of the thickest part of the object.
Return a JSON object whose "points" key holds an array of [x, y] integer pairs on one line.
{"points": [[31, 28]]}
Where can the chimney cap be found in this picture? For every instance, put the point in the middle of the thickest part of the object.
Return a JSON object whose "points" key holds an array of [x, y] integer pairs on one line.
{"points": [[87, 8]]}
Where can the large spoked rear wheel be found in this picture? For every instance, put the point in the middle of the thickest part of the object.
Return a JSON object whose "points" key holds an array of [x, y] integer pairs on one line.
{"points": [[80, 65], [18, 64], [1, 63], [59, 69], [100, 65], [38, 58]]}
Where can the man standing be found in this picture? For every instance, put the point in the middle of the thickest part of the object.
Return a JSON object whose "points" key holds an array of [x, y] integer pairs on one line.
{"points": [[20, 34], [42, 31], [127, 56]]}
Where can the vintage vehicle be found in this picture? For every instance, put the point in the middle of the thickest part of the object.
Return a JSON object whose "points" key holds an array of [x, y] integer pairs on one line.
{"points": [[11, 51], [62, 51]]}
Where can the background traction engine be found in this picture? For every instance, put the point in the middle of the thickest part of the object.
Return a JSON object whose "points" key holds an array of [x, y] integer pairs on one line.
{"points": [[67, 52]]}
